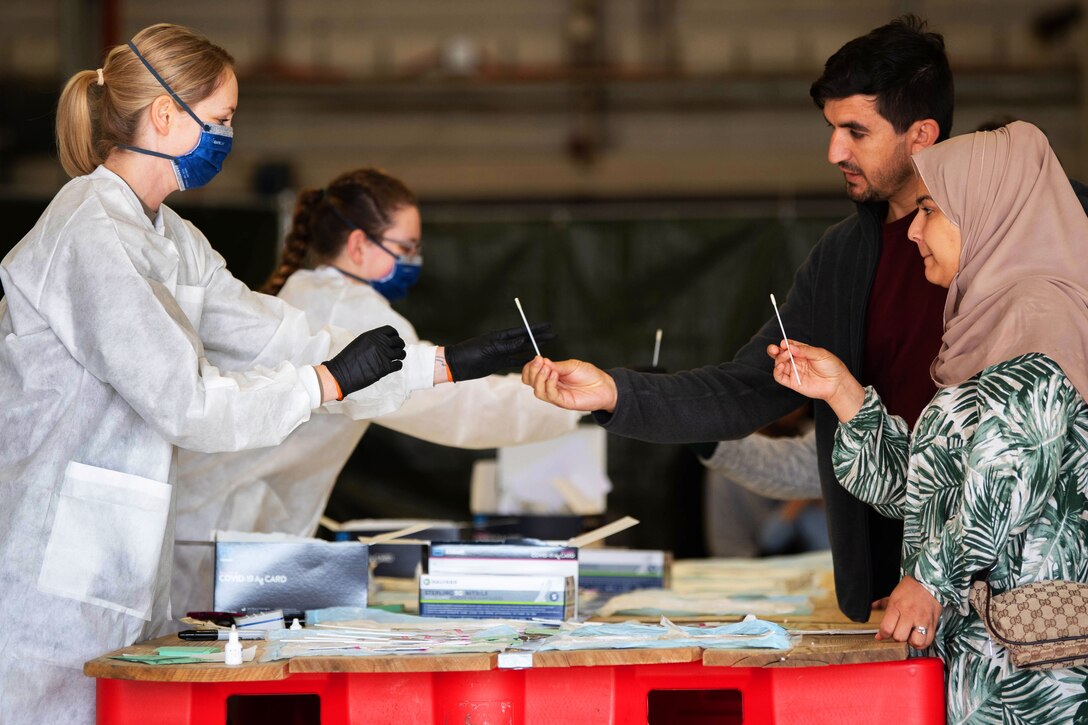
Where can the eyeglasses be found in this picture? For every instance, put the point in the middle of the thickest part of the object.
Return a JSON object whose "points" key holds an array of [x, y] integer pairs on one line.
{"points": [[410, 251]]}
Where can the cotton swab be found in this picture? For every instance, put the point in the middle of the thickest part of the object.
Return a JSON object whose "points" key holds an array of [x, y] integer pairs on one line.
{"points": [[783, 329], [527, 328], [657, 347]]}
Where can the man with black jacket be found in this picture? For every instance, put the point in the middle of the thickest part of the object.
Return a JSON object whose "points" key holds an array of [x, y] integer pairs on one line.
{"points": [[862, 294]]}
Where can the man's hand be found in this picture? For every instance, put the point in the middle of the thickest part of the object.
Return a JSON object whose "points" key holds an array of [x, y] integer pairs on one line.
{"points": [[571, 384]]}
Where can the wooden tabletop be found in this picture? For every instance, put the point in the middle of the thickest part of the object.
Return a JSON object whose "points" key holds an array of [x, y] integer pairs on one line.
{"points": [[105, 667], [814, 650]]}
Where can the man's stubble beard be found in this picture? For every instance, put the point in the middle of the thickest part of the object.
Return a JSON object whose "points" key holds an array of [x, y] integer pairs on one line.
{"points": [[886, 181]]}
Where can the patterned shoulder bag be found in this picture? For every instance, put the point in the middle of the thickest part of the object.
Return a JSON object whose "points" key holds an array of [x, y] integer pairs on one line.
{"points": [[1043, 625]]}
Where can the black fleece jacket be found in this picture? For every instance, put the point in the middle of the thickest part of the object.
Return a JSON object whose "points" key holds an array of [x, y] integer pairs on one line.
{"points": [[826, 307]]}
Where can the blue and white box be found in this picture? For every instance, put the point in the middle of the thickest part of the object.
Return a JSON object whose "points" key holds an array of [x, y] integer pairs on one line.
{"points": [[497, 596], [529, 557]]}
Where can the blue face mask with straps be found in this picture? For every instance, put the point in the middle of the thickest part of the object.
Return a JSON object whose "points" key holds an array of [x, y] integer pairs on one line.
{"points": [[199, 166], [393, 286]]}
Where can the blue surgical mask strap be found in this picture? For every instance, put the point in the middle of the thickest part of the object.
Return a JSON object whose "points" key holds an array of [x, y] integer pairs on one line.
{"points": [[348, 223], [175, 96], [355, 277], [148, 152]]}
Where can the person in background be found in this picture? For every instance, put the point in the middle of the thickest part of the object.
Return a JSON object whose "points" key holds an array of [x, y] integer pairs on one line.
{"points": [[762, 492], [991, 480], [122, 337], [361, 235]]}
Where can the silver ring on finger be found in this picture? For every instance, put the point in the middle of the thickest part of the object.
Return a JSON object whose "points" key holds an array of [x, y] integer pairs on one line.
{"points": [[921, 630]]}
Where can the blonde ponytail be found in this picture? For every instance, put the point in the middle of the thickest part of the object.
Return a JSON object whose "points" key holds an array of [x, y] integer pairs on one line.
{"points": [[76, 121]]}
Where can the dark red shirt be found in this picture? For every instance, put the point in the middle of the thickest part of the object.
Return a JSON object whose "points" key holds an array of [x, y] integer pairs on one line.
{"points": [[903, 327]]}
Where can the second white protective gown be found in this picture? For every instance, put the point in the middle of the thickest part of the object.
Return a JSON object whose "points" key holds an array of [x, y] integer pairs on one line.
{"points": [[285, 488]]}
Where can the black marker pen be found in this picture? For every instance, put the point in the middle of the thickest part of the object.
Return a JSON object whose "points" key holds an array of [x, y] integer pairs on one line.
{"points": [[210, 635]]}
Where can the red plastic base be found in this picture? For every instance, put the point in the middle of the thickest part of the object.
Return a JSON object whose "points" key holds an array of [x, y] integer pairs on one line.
{"points": [[910, 692]]}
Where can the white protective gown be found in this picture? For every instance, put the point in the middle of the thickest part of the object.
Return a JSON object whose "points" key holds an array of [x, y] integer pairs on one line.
{"points": [[286, 488], [119, 340]]}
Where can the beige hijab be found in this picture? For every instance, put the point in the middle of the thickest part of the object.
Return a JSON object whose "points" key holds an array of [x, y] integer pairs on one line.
{"points": [[1023, 280]]}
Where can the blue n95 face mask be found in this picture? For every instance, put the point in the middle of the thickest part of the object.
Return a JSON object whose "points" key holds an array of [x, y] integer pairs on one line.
{"points": [[199, 166], [393, 286], [404, 274]]}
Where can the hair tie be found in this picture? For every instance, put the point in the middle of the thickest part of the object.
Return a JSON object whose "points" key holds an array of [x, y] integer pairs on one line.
{"points": [[101, 79]]}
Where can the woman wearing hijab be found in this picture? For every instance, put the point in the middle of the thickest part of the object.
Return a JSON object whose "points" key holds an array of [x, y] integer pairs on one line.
{"points": [[990, 482]]}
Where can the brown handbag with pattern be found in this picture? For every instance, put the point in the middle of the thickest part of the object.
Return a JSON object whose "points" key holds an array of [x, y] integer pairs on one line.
{"points": [[1043, 625]]}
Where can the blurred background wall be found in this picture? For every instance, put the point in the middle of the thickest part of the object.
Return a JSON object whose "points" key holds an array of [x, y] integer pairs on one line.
{"points": [[621, 165]]}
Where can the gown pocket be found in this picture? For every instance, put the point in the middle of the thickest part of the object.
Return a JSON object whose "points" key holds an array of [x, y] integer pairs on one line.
{"points": [[107, 539]]}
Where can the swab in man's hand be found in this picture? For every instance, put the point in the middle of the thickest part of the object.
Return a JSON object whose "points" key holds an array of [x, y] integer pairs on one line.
{"points": [[527, 328]]}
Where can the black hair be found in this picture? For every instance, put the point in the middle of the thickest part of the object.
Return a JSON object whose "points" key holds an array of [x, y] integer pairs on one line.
{"points": [[900, 63]]}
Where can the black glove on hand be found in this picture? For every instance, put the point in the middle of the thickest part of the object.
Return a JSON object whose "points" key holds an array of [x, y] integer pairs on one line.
{"points": [[481, 356], [367, 359]]}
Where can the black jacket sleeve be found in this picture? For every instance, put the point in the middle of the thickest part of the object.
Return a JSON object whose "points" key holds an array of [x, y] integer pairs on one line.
{"points": [[717, 402]]}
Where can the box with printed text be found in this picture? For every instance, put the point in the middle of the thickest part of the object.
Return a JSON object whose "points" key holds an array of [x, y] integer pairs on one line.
{"points": [[297, 574], [496, 596]]}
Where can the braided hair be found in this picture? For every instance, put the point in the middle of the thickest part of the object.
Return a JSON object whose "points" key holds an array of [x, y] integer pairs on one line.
{"points": [[367, 198]]}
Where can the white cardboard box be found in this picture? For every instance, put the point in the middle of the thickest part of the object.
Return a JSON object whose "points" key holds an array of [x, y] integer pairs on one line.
{"points": [[497, 596]]}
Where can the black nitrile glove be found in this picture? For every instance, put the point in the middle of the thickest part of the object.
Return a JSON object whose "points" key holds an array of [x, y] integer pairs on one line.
{"points": [[367, 359], [489, 353]]}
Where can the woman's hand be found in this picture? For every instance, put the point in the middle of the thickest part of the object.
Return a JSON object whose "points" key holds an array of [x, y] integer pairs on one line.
{"points": [[912, 615], [822, 376], [571, 384]]}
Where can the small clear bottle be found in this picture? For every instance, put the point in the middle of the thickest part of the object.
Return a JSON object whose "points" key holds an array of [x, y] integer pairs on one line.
{"points": [[233, 651]]}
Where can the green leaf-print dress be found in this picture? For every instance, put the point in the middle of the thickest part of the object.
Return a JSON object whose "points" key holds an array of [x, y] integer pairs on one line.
{"points": [[995, 475]]}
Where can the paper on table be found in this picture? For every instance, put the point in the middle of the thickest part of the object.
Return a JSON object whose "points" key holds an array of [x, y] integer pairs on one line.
{"points": [[402, 635], [793, 574], [185, 655], [752, 633], [654, 602], [527, 475]]}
